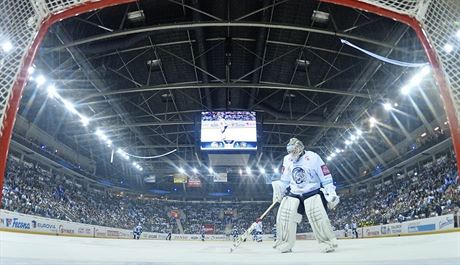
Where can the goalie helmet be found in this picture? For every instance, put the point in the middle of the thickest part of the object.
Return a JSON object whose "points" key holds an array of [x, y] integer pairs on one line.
{"points": [[295, 148]]}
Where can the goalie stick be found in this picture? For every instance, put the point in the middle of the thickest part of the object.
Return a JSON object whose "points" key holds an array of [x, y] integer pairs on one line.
{"points": [[246, 234]]}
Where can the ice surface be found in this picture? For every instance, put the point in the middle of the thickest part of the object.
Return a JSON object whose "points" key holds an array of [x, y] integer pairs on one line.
{"points": [[25, 249]]}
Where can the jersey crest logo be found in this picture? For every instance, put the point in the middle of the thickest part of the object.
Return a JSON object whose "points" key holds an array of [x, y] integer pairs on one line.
{"points": [[299, 175]]}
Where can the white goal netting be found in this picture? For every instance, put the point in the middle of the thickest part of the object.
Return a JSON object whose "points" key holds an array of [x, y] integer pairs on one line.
{"points": [[22, 19]]}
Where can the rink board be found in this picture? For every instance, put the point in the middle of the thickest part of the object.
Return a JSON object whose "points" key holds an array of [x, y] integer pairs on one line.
{"points": [[17, 222]]}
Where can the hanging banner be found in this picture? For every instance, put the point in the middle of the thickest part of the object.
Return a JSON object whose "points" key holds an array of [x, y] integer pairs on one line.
{"points": [[150, 179], [194, 182], [180, 178]]}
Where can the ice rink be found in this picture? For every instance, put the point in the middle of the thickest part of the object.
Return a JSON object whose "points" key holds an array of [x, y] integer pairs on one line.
{"points": [[24, 249]]}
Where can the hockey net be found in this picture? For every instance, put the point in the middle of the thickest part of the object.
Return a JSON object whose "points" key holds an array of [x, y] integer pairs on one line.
{"points": [[25, 22]]}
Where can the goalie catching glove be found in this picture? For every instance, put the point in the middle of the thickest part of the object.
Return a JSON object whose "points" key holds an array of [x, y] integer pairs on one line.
{"points": [[331, 197]]}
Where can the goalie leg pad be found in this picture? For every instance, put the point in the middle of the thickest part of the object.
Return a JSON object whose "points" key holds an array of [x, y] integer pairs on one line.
{"points": [[319, 221], [286, 224]]}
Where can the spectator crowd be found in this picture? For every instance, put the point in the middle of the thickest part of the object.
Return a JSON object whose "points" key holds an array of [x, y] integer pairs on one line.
{"points": [[32, 190]]}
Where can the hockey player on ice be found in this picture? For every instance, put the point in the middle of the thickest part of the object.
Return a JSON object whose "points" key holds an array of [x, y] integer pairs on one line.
{"points": [[258, 230], [137, 231], [202, 232], [354, 230], [307, 182], [235, 233]]}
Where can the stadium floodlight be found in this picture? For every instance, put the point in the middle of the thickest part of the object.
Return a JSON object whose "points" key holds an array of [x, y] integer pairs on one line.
{"points": [[458, 34], [109, 143], [52, 93], [448, 48], [31, 70], [248, 170], [338, 151], [423, 134], [405, 90], [135, 164], [100, 133], [120, 151], [387, 106], [210, 170], [352, 138], [40, 80], [194, 170], [372, 121], [425, 71], [333, 155], [415, 81], [141, 169], [347, 142], [241, 172], [275, 170], [104, 137], [69, 106], [7, 46], [359, 132], [181, 170], [262, 170], [329, 158], [84, 120], [395, 105], [415, 174], [437, 128]]}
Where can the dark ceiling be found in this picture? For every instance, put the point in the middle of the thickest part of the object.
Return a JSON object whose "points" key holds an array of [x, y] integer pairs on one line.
{"points": [[145, 82]]}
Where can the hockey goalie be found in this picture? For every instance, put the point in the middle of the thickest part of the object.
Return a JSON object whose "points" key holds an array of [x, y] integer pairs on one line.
{"points": [[305, 186]]}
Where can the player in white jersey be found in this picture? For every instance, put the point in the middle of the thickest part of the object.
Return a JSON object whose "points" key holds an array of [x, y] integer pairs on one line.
{"points": [[354, 230], [258, 230], [306, 181], [346, 229], [137, 231]]}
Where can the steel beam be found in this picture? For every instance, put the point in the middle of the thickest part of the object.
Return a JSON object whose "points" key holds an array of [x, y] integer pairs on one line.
{"points": [[227, 85], [189, 25]]}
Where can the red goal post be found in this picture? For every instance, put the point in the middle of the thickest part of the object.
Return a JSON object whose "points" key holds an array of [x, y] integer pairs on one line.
{"points": [[26, 22]]}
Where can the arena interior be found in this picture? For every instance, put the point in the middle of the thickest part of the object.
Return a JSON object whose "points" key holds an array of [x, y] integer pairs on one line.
{"points": [[175, 115]]}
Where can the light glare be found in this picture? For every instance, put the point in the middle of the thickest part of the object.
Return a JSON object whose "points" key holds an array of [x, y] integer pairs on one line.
{"points": [[387, 106], [52, 93], [7, 46], [425, 70], [84, 120], [405, 90], [69, 106], [448, 48], [40, 80], [262, 170], [248, 170]]}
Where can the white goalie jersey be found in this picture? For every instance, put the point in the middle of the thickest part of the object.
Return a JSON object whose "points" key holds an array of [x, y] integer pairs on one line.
{"points": [[308, 173]]}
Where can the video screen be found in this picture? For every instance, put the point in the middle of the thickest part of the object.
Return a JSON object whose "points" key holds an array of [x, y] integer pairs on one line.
{"points": [[231, 130]]}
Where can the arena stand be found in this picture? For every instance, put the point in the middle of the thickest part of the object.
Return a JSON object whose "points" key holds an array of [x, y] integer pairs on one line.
{"points": [[32, 190]]}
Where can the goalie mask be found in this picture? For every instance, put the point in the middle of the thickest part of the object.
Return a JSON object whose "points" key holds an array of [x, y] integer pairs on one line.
{"points": [[295, 148]]}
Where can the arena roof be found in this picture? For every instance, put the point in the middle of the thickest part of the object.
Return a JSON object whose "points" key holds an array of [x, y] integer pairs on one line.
{"points": [[143, 73]]}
